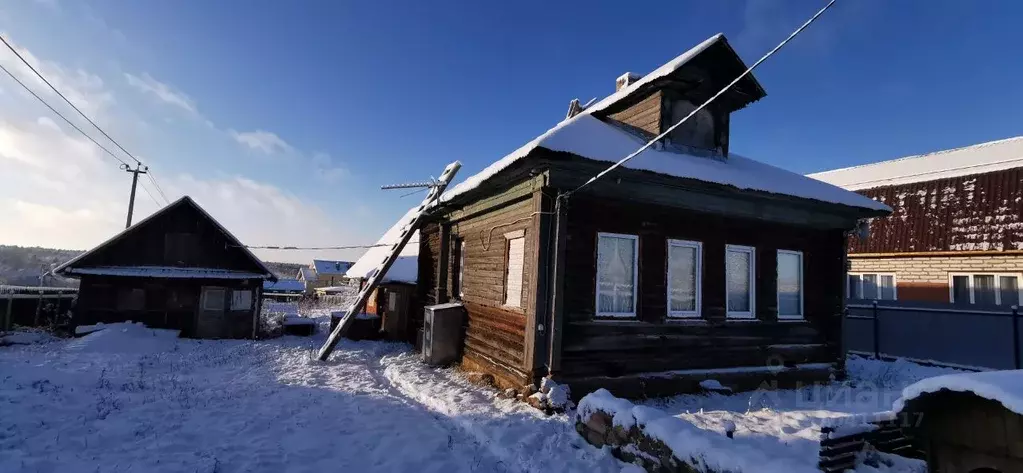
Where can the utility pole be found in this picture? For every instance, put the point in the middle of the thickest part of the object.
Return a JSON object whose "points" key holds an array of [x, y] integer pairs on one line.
{"points": [[139, 169]]}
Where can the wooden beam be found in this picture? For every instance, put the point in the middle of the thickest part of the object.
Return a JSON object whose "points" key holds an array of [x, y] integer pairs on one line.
{"points": [[534, 338], [443, 263], [7, 317], [557, 320]]}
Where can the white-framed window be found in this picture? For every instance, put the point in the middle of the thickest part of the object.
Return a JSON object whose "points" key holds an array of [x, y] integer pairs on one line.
{"points": [[516, 251], [617, 274], [685, 274], [790, 285], [985, 288], [873, 286], [461, 268], [740, 287], [241, 299]]}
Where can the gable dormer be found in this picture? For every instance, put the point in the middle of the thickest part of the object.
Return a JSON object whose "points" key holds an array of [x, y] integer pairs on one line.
{"points": [[651, 104]]}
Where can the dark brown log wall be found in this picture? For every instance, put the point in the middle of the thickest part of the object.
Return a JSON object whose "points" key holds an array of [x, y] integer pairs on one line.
{"points": [[651, 342], [645, 115], [980, 212]]}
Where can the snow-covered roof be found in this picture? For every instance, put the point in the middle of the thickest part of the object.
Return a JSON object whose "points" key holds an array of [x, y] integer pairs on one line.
{"points": [[169, 272], [976, 159], [1005, 387], [331, 267], [306, 273], [587, 136], [283, 285], [183, 200], [405, 269]]}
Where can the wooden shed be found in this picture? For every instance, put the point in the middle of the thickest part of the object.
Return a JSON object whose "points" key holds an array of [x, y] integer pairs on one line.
{"points": [[689, 262], [178, 269], [967, 423]]}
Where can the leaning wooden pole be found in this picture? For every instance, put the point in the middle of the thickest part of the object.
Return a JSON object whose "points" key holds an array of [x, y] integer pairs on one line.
{"points": [[436, 189]]}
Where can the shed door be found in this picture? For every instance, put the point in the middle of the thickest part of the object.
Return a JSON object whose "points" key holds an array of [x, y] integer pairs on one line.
{"points": [[211, 312]]}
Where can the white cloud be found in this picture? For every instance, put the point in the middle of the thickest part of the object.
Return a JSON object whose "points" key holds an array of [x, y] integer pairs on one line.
{"points": [[83, 89], [162, 91], [260, 140], [326, 170]]}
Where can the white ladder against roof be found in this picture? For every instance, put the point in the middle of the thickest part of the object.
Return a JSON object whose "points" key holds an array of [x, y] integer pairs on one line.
{"points": [[436, 189]]}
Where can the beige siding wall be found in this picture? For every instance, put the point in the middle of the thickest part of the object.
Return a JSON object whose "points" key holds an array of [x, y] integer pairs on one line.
{"points": [[926, 277]]}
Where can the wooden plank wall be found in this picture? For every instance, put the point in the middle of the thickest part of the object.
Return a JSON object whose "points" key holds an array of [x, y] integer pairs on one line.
{"points": [[651, 342], [645, 115], [496, 333]]}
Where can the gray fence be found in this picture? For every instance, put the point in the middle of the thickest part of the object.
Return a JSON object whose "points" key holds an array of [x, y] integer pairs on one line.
{"points": [[955, 335]]}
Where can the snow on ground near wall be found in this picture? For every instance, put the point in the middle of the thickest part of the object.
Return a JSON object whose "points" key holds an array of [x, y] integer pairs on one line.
{"points": [[780, 429], [128, 399]]}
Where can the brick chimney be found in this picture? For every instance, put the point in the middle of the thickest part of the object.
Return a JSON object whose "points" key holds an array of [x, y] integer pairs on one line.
{"points": [[626, 80]]}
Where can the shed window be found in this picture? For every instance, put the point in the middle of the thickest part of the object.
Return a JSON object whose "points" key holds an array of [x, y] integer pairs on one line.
{"points": [[131, 299], [513, 272], [985, 289], [740, 262], [684, 278], [616, 274], [213, 298], [872, 286], [790, 284], [241, 300]]}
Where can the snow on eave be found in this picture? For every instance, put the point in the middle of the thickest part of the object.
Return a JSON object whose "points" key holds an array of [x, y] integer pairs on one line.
{"points": [[968, 160], [181, 201], [1004, 387], [401, 270]]}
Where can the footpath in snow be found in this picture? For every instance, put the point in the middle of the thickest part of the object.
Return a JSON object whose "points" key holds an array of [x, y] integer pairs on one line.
{"points": [[131, 399]]}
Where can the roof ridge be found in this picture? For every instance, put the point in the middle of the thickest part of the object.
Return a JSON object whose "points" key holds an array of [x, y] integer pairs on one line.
{"points": [[924, 155]]}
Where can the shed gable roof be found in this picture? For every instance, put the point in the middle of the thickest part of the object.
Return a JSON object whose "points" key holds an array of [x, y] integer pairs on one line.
{"points": [[84, 260]]}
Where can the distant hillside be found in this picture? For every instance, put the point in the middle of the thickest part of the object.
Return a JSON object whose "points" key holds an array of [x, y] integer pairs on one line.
{"points": [[21, 266]]}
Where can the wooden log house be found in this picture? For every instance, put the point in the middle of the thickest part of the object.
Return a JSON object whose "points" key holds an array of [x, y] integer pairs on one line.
{"points": [[178, 269], [687, 263]]}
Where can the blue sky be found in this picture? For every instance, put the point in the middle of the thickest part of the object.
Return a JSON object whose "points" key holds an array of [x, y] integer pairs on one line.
{"points": [[283, 118]]}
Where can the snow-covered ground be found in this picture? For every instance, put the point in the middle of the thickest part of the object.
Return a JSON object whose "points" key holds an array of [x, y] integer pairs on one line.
{"points": [[131, 399]]}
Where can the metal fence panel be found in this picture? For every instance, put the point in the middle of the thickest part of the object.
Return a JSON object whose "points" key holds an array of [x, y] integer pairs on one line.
{"points": [[945, 333]]}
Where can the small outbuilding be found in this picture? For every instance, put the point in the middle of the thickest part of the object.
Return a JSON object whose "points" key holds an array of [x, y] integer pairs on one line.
{"points": [[967, 423], [178, 269], [284, 290]]}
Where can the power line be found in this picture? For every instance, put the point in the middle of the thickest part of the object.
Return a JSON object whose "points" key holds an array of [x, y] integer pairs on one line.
{"points": [[158, 189], [86, 117], [701, 107], [22, 84], [158, 204]]}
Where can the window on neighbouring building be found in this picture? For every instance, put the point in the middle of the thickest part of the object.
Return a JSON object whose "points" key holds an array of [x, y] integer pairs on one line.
{"points": [[241, 300], [213, 298], [684, 278], [131, 299], [513, 268], [740, 295], [985, 289], [790, 284], [616, 274], [872, 286]]}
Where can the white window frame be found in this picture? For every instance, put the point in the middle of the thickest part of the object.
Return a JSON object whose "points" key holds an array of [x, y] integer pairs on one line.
{"points": [[461, 268], [635, 277], [508, 238], [752, 313], [877, 296], [802, 293], [998, 286], [687, 314]]}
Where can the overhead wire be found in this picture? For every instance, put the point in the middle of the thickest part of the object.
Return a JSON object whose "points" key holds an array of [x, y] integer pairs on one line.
{"points": [[665, 133], [69, 122], [157, 186], [47, 82]]}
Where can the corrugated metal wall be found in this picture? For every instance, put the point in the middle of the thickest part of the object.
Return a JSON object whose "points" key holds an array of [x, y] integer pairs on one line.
{"points": [[981, 212]]}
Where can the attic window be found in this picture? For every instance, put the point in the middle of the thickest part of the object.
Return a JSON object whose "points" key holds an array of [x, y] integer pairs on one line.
{"points": [[698, 131]]}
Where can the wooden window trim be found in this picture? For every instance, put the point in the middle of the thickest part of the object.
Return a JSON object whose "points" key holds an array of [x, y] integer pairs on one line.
{"points": [[802, 285], [686, 314], [877, 296], [998, 287], [508, 237], [752, 313], [635, 278]]}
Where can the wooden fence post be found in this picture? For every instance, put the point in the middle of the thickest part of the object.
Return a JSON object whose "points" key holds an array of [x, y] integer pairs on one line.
{"points": [[1015, 338], [877, 334], [39, 308], [10, 308]]}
